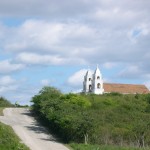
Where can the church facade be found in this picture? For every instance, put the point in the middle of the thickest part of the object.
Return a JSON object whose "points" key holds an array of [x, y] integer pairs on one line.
{"points": [[93, 83]]}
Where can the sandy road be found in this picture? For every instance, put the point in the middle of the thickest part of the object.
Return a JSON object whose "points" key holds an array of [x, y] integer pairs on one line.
{"points": [[28, 129]]}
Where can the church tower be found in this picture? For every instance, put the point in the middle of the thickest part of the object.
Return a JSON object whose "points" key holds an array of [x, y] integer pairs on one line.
{"points": [[93, 83], [97, 83], [87, 83]]}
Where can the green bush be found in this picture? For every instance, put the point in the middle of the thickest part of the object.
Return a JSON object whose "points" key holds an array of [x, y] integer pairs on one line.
{"points": [[76, 99], [110, 119], [4, 102]]}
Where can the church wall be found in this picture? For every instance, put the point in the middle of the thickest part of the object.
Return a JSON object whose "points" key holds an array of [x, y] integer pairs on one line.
{"points": [[95, 84]]}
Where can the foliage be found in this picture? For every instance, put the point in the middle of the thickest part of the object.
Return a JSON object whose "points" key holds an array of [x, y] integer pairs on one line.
{"points": [[1, 111], [4, 102], [76, 99], [100, 147], [8, 140], [66, 114], [110, 119]]}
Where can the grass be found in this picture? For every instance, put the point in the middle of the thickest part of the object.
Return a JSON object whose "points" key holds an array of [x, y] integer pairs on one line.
{"points": [[1, 111], [8, 139], [100, 147]]}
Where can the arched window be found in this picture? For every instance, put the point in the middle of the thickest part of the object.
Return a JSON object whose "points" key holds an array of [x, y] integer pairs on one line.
{"points": [[98, 86], [98, 77], [90, 87], [89, 79]]}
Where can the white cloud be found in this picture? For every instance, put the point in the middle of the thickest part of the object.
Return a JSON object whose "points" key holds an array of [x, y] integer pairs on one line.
{"points": [[31, 34], [6, 89], [7, 66], [45, 82], [21, 94], [40, 35], [7, 84], [76, 80], [109, 65], [37, 59], [41, 59], [77, 42], [59, 43], [6, 80], [18, 90], [131, 72], [46, 9], [138, 32]]}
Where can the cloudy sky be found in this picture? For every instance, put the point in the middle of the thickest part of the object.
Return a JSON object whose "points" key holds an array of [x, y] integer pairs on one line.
{"points": [[53, 42]]}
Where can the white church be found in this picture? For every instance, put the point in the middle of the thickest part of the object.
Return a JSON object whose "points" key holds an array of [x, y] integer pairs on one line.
{"points": [[93, 83]]}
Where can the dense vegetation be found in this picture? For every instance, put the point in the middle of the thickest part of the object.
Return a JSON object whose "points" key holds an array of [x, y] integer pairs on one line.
{"points": [[8, 139], [75, 146], [110, 119], [4, 102]]}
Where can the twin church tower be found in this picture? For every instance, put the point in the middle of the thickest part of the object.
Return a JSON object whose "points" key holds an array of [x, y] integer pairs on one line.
{"points": [[93, 83]]}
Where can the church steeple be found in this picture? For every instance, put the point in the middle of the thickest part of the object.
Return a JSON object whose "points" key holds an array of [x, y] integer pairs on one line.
{"points": [[93, 83], [87, 83], [97, 71], [97, 84], [88, 73]]}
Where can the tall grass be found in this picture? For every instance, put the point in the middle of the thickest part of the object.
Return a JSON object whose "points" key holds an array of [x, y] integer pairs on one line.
{"points": [[8, 139], [101, 147]]}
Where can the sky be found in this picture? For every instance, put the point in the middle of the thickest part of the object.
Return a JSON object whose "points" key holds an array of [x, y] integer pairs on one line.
{"points": [[54, 42]]}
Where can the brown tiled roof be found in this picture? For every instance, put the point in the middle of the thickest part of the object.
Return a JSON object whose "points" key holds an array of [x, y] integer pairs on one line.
{"points": [[125, 88]]}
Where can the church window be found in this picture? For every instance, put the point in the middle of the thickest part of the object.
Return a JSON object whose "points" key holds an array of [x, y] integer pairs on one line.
{"points": [[98, 85], [98, 77], [89, 79], [90, 87]]}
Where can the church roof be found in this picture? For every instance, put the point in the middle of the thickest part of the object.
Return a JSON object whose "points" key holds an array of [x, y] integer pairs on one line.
{"points": [[97, 71], [88, 73], [125, 88]]}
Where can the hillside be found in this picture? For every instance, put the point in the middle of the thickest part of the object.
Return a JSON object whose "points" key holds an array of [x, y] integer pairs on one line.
{"points": [[110, 119], [4, 102], [8, 139]]}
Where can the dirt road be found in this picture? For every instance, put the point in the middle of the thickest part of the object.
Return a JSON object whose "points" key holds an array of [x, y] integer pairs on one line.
{"points": [[29, 130]]}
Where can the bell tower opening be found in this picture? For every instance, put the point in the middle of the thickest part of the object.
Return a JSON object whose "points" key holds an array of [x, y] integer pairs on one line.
{"points": [[98, 86], [90, 87]]}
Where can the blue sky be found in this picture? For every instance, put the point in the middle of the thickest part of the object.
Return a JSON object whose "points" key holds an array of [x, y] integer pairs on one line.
{"points": [[54, 42]]}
